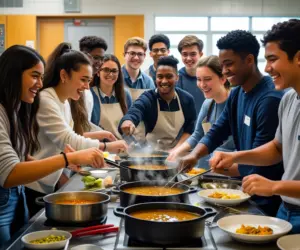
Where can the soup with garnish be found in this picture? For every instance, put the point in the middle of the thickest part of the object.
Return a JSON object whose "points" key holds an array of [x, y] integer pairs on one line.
{"points": [[165, 215], [149, 167], [153, 190]]}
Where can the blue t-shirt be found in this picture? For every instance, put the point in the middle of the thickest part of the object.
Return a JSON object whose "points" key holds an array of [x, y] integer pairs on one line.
{"points": [[189, 84], [142, 82], [145, 109]]}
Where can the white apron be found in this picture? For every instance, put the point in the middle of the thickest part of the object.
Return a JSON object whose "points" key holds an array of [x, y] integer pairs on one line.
{"points": [[167, 128], [139, 132], [111, 114]]}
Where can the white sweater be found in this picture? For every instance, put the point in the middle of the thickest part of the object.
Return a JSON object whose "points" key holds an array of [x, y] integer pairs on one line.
{"points": [[56, 131]]}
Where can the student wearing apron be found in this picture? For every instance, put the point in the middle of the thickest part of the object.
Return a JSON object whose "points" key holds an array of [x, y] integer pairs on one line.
{"points": [[135, 80], [67, 75], [111, 99], [216, 89], [283, 65], [18, 138], [168, 113], [250, 114]]}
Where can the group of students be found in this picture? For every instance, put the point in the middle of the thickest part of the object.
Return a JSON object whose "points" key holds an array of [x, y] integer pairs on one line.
{"points": [[63, 114]]}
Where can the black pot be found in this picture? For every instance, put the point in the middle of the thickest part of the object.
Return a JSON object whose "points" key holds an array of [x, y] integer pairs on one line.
{"points": [[127, 199], [164, 233], [131, 174]]}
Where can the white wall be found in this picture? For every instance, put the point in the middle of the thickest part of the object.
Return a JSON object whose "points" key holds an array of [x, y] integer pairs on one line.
{"points": [[151, 8]]}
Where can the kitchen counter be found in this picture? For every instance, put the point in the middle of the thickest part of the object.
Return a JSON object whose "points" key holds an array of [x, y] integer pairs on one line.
{"points": [[222, 240]]}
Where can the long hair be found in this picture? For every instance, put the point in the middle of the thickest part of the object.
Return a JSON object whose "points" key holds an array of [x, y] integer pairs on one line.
{"points": [[119, 84], [22, 116], [63, 57]]}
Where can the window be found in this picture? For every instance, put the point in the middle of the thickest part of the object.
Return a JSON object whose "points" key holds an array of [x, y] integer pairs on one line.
{"points": [[211, 29]]}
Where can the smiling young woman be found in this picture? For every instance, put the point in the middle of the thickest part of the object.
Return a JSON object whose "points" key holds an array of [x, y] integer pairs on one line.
{"points": [[21, 74]]}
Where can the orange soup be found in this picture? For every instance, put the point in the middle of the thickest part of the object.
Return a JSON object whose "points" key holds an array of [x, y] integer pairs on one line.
{"points": [[164, 215], [149, 167], [153, 190], [75, 202]]}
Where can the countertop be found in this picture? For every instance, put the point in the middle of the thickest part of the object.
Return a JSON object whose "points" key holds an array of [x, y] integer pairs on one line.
{"points": [[223, 240]]}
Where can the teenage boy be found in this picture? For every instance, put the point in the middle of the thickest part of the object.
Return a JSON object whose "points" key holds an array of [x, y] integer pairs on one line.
{"points": [[137, 81], [159, 45], [282, 51], [190, 48], [250, 114]]}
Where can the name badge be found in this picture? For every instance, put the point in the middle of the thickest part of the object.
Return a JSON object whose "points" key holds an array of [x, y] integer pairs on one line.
{"points": [[247, 120]]}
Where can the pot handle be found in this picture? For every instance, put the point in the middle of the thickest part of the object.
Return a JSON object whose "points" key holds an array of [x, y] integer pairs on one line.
{"points": [[209, 212], [119, 212], [39, 201], [193, 190]]}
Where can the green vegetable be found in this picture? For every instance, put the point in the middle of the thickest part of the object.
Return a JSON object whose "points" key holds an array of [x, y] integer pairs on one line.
{"points": [[89, 183], [88, 178], [48, 239], [98, 182]]}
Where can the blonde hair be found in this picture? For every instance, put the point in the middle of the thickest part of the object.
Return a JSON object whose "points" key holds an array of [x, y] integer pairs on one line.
{"points": [[135, 41]]}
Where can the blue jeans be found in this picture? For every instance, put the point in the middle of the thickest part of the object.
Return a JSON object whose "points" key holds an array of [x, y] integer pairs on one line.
{"points": [[290, 215], [13, 211]]}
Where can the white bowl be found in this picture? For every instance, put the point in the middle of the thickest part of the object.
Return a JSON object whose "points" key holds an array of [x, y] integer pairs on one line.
{"points": [[99, 173], [289, 242], [41, 234], [230, 224], [205, 193]]}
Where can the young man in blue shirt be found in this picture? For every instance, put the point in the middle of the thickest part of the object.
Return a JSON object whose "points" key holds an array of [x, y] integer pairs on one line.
{"points": [[168, 113], [250, 114], [137, 81], [190, 48], [159, 45], [282, 52]]}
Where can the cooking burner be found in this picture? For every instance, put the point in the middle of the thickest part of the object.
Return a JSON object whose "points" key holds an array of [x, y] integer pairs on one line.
{"points": [[134, 243], [52, 223]]}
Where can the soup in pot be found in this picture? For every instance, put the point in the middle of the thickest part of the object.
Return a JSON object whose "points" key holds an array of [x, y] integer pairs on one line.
{"points": [[76, 202], [165, 215], [149, 167], [153, 190]]}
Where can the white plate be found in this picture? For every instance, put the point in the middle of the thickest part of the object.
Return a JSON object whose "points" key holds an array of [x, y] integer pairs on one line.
{"points": [[87, 247], [41, 234], [289, 242], [230, 224], [205, 193], [99, 173]]}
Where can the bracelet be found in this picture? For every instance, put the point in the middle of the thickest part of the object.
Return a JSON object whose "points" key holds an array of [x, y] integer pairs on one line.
{"points": [[104, 146], [66, 159]]}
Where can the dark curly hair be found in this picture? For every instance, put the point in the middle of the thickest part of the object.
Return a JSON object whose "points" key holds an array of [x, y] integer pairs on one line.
{"points": [[159, 38], [168, 61], [287, 35], [89, 43], [241, 42]]}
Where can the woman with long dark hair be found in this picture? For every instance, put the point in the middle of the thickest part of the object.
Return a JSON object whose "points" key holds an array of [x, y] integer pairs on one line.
{"points": [[110, 96], [68, 74], [21, 74]]}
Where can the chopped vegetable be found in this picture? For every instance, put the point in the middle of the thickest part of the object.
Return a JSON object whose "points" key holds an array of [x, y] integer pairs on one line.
{"points": [[49, 239]]}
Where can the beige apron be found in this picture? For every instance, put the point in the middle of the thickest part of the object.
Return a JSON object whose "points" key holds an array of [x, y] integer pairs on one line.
{"points": [[139, 132], [206, 125], [167, 127], [111, 114]]}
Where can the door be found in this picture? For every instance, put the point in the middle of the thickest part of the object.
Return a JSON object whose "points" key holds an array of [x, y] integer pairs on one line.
{"points": [[90, 27]]}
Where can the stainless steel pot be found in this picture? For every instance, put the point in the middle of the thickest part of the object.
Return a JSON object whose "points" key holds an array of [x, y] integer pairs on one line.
{"points": [[75, 213]]}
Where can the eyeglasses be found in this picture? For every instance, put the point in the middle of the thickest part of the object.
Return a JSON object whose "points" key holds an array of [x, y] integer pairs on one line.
{"points": [[193, 54], [134, 54], [107, 71], [162, 50], [95, 58]]}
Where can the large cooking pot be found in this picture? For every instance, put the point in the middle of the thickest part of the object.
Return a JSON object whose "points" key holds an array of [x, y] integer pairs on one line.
{"points": [[142, 154], [164, 233], [127, 199], [131, 174], [78, 213]]}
